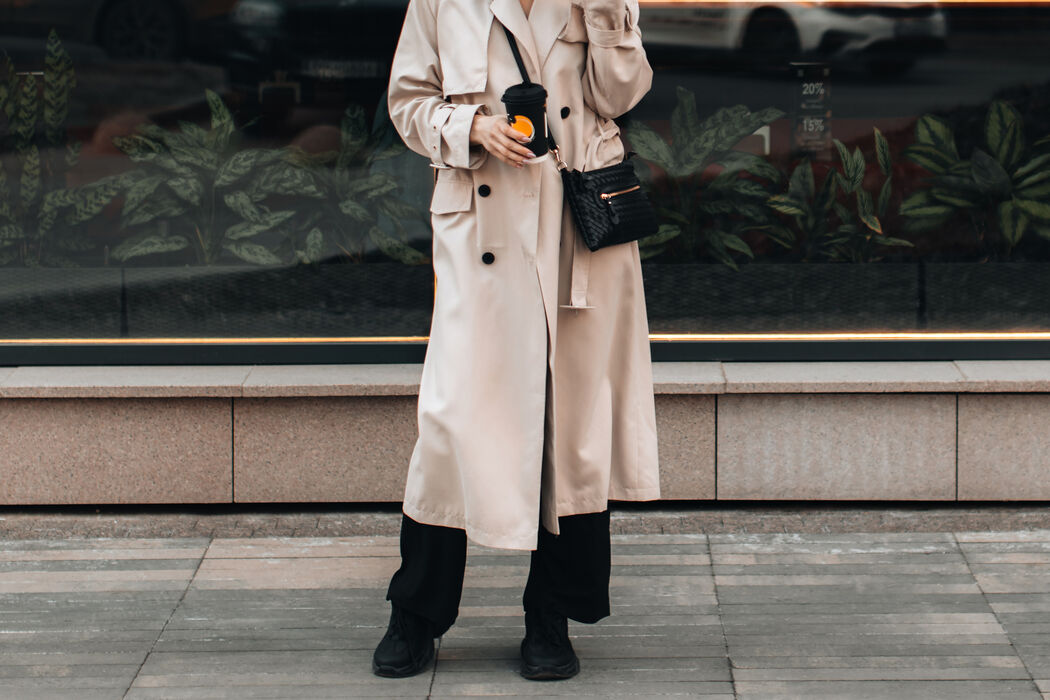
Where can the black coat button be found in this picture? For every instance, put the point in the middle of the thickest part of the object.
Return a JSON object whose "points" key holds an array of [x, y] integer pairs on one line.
{"points": [[484, 190], [488, 258], [564, 112]]}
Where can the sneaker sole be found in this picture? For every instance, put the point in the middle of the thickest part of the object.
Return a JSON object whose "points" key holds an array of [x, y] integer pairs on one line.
{"points": [[403, 671], [550, 673]]}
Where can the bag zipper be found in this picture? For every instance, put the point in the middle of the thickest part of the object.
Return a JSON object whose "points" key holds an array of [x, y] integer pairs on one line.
{"points": [[609, 195]]}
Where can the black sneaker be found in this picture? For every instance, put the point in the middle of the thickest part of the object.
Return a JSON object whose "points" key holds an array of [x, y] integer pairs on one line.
{"points": [[546, 652], [406, 648]]}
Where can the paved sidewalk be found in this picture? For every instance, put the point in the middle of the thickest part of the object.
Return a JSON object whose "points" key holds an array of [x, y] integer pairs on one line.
{"points": [[880, 615]]}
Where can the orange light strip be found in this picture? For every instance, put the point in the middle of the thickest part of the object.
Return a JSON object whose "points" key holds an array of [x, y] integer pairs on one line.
{"points": [[660, 337], [939, 3]]}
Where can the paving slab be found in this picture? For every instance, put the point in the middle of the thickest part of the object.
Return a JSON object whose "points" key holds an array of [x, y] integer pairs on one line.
{"points": [[732, 615]]}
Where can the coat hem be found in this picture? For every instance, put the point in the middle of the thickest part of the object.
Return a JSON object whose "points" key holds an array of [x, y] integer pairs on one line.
{"points": [[481, 536], [598, 505]]}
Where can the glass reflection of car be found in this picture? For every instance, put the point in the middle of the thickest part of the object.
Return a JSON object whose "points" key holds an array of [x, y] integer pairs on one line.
{"points": [[128, 29], [885, 37], [315, 48]]}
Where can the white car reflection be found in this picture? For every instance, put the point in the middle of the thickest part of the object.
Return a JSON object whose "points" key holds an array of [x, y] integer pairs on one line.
{"points": [[885, 37]]}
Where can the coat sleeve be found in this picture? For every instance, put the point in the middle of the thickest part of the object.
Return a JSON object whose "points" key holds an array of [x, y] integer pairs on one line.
{"points": [[429, 124], [618, 74]]}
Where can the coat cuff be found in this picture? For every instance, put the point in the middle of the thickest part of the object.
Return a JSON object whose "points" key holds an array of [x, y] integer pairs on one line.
{"points": [[456, 149], [605, 22]]}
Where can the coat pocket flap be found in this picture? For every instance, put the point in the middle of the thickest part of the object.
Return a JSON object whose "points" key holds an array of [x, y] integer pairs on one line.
{"points": [[451, 195]]}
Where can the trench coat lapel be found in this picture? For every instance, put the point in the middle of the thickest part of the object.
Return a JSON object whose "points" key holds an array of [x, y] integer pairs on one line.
{"points": [[548, 18], [509, 12], [537, 32]]}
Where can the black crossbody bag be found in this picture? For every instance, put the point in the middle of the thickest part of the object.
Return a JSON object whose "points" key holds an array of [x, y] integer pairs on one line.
{"points": [[608, 204]]}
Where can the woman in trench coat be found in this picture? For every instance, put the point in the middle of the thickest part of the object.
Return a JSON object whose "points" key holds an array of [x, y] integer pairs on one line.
{"points": [[536, 398]]}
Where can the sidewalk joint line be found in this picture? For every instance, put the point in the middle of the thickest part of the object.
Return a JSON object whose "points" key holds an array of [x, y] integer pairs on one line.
{"points": [[434, 671], [718, 611], [984, 596], [174, 609]]}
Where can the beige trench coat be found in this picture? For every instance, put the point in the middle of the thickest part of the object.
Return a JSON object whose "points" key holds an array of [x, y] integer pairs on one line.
{"points": [[536, 398]]}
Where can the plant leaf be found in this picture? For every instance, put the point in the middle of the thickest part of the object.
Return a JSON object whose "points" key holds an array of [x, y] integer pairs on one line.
{"points": [[936, 132], [353, 135], [314, 245], [140, 190], [801, 186], [188, 189], [663, 234], [649, 145], [246, 229], [1002, 130], [251, 252], [685, 121], [90, 200], [734, 242], [1012, 222], [921, 205], [31, 176], [396, 249], [866, 213], [158, 206], [148, 244], [243, 162], [884, 196], [882, 152], [1036, 210], [222, 126], [356, 211], [786, 205], [744, 162], [989, 175]]}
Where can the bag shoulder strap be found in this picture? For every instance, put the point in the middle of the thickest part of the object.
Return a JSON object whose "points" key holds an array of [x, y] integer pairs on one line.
{"points": [[517, 56], [525, 76]]}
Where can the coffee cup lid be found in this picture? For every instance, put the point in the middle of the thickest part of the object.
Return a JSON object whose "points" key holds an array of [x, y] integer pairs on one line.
{"points": [[524, 92]]}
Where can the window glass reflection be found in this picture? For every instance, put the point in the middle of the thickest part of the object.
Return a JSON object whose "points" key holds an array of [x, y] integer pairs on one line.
{"points": [[205, 168]]}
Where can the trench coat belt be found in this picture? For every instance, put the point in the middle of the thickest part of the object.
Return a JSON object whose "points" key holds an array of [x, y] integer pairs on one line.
{"points": [[581, 268]]}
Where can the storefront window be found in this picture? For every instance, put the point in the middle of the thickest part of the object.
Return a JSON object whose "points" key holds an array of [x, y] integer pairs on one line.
{"points": [[225, 169]]}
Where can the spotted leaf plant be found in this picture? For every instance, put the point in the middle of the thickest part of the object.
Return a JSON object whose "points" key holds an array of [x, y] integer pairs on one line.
{"points": [[39, 212], [361, 209], [198, 190], [703, 215], [1003, 189]]}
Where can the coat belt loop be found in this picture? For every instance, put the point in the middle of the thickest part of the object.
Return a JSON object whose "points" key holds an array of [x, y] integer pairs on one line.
{"points": [[581, 268]]}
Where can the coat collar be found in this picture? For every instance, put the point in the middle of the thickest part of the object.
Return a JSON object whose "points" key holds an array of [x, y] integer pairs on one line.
{"points": [[537, 32]]}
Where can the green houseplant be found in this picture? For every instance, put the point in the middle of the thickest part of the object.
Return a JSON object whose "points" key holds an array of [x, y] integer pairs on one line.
{"points": [[360, 204], [214, 192], [1003, 190], [704, 215], [39, 212], [856, 234]]}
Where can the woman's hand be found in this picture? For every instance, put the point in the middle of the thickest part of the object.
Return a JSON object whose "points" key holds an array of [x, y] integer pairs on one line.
{"points": [[495, 136]]}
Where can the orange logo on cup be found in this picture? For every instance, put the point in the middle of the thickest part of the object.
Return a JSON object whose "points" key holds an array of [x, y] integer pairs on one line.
{"points": [[524, 125]]}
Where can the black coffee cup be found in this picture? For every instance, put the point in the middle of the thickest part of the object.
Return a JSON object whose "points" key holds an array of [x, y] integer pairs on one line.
{"points": [[527, 113]]}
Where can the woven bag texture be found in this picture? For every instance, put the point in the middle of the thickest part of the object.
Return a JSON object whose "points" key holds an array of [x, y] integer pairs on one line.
{"points": [[620, 219]]}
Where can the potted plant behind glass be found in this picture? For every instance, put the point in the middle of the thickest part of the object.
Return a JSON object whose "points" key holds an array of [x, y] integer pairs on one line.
{"points": [[231, 221], [723, 214], [995, 206], [48, 287]]}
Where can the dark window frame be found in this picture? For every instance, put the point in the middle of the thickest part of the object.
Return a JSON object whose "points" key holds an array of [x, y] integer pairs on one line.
{"points": [[247, 353]]}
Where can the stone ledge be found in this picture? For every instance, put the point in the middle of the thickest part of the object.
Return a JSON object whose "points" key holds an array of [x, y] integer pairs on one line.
{"points": [[150, 381], [340, 520]]}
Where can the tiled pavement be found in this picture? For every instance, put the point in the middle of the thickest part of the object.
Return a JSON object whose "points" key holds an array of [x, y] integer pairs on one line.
{"points": [[881, 615]]}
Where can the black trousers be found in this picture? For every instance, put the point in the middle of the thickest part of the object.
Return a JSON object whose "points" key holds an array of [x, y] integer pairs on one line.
{"points": [[568, 573]]}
